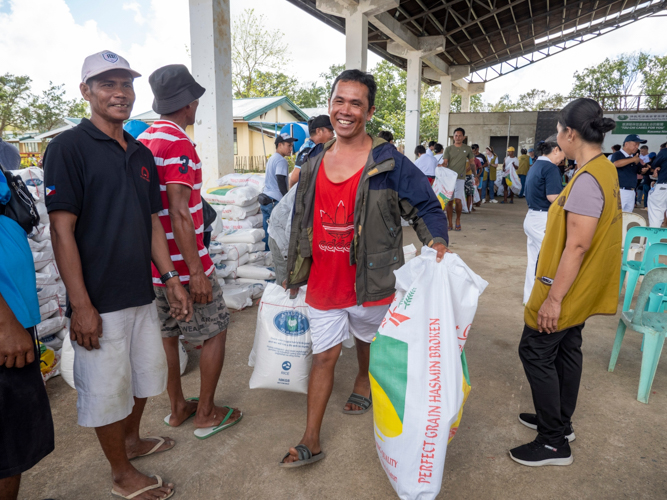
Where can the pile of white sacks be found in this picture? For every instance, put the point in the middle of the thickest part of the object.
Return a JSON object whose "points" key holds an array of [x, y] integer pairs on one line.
{"points": [[242, 265], [50, 289]]}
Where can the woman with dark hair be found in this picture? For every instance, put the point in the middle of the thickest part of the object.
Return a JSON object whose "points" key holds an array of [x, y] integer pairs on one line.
{"points": [[542, 187], [578, 274]]}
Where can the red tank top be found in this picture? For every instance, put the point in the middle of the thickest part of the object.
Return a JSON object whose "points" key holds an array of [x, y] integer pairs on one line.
{"points": [[332, 278]]}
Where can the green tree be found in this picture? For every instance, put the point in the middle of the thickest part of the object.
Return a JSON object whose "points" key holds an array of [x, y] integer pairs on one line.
{"points": [[310, 95], [504, 104], [255, 51], [330, 76], [654, 83], [48, 109], [476, 103], [535, 100], [269, 84], [14, 98]]}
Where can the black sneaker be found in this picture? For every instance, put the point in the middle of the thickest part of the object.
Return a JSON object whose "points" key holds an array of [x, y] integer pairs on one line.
{"points": [[536, 454], [530, 421]]}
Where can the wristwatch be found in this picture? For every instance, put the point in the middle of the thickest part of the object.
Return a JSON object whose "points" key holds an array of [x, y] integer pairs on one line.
{"points": [[165, 277]]}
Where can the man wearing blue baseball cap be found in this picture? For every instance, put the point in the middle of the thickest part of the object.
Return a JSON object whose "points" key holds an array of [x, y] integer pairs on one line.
{"points": [[628, 164], [657, 200]]}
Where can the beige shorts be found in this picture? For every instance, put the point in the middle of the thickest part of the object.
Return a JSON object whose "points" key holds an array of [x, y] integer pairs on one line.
{"points": [[129, 363]]}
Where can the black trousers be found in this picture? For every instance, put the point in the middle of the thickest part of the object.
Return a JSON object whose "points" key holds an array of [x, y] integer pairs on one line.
{"points": [[553, 363], [26, 426]]}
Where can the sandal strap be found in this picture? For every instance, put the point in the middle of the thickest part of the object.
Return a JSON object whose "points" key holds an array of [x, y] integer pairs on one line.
{"points": [[160, 442], [303, 451], [147, 488], [359, 400]]}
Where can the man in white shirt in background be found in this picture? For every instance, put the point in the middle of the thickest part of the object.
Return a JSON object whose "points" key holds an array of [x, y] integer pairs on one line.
{"points": [[425, 162]]}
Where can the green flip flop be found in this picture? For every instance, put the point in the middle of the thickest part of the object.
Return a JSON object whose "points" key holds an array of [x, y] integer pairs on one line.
{"points": [[166, 419], [206, 432]]}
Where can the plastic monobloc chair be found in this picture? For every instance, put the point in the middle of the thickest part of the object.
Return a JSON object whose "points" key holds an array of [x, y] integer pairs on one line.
{"points": [[651, 261], [631, 219], [653, 325], [635, 268]]}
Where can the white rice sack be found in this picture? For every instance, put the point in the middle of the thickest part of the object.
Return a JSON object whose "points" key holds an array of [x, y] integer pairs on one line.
{"points": [[242, 236], [50, 326], [237, 297], [227, 268], [67, 361], [257, 181], [49, 309], [282, 349], [258, 286], [229, 195], [33, 177], [39, 246], [41, 259], [256, 247], [249, 222], [41, 232], [230, 251], [233, 180], [46, 293], [257, 257], [48, 275], [268, 259], [214, 248], [409, 252], [43, 212], [234, 212], [256, 272], [182, 357], [229, 281], [216, 227]]}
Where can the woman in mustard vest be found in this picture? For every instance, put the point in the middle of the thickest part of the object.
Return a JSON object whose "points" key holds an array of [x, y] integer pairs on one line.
{"points": [[578, 274]]}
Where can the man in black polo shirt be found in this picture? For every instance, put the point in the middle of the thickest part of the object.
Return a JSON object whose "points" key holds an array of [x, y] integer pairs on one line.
{"points": [[103, 196], [657, 200], [628, 164]]}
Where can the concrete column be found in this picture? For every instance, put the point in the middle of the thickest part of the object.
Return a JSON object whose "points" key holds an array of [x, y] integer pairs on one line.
{"points": [[210, 45], [356, 41], [465, 101], [445, 103], [413, 102]]}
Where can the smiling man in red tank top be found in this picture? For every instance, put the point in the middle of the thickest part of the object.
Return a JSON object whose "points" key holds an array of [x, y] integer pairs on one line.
{"points": [[346, 241]]}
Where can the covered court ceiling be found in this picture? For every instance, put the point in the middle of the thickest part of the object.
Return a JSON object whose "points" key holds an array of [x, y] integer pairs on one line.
{"points": [[496, 37]]}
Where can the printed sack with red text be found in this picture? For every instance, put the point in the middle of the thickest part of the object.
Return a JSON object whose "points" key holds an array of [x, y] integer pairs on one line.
{"points": [[419, 377], [444, 184]]}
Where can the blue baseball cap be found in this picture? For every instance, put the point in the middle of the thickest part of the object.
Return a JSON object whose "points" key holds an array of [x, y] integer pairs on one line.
{"points": [[635, 138], [652, 155], [531, 150]]}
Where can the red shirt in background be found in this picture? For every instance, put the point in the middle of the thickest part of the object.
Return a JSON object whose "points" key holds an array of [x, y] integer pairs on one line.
{"points": [[177, 163], [332, 278]]}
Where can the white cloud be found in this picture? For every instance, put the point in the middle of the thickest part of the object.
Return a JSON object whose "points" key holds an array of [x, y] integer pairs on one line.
{"points": [[136, 8]]}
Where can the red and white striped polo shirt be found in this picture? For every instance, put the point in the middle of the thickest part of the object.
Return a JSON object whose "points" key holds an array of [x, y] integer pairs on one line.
{"points": [[177, 163]]}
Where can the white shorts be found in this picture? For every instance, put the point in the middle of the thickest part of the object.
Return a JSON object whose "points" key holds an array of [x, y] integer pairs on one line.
{"points": [[657, 205], [460, 189], [129, 363], [332, 327]]}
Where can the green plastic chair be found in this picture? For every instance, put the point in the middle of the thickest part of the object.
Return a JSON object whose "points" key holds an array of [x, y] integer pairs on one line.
{"points": [[635, 268], [652, 325], [651, 261]]}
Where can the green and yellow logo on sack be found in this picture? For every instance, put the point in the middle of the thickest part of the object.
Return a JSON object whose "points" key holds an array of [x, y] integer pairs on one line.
{"points": [[388, 373]]}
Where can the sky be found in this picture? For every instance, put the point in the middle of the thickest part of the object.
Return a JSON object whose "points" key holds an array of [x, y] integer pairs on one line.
{"points": [[49, 39]]}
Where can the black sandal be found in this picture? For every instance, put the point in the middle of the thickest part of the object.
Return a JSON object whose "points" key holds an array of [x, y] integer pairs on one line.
{"points": [[306, 457], [359, 400]]}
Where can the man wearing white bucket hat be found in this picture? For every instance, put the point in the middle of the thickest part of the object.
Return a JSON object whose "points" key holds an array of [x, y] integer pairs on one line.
{"points": [[103, 198]]}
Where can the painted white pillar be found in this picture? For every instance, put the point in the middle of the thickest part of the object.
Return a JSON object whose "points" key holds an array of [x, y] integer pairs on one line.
{"points": [[356, 41], [413, 102], [445, 104], [465, 101], [211, 49]]}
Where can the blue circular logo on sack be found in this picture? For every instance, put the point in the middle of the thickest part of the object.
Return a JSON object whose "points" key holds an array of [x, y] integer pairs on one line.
{"points": [[287, 365], [291, 323], [33, 182]]}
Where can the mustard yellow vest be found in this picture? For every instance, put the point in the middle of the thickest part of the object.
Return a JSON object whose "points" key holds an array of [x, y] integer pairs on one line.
{"points": [[595, 289]]}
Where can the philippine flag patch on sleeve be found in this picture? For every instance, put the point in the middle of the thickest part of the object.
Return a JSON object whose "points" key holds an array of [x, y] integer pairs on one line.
{"points": [[50, 190]]}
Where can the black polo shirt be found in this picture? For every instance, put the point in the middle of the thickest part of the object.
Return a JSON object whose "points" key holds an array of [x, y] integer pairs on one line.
{"points": [[113, 193], [627, 176]]}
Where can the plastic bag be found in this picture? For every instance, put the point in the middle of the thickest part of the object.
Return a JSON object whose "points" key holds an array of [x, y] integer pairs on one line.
{"points": [[444, 184], [409, 252], [282, 350], [513, 180], [237, 297], [418, 373]]}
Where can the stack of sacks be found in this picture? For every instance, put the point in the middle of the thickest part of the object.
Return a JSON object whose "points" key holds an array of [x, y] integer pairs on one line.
{"points": [[235, 200], [240, 259], [50, 288]]}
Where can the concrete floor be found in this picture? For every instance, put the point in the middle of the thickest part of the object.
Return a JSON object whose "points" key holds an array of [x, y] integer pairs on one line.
{"points": [[620, 450]]}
